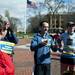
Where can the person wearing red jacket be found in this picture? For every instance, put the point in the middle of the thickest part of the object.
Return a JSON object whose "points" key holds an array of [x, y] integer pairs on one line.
{"points": [[6, 49]]}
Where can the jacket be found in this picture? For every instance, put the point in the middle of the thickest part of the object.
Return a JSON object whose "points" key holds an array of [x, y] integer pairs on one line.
{"points": [[41, 52]]}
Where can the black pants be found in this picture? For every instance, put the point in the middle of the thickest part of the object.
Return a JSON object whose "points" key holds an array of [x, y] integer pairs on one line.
{"points": [[42, 69]]}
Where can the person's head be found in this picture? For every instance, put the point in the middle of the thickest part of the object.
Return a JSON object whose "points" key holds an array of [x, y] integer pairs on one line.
{"points": [[7, 24], [71, 27], [3, 31], [44, 26]]}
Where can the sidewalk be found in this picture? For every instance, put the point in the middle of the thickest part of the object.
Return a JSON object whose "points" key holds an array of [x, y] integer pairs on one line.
{"points": [[23, 61]]}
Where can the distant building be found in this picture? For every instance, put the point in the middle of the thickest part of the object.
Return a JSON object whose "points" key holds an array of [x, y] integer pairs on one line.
{"points": [[59, 21]]}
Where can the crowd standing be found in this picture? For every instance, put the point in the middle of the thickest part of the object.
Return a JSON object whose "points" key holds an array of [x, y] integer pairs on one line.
{"points": [[43, 43], [68, 51]]}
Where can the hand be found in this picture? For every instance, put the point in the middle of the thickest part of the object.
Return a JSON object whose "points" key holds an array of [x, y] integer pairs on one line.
{"points": [[44, 41]]}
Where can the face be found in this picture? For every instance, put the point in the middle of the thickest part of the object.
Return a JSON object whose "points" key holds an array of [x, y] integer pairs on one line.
{"points": [[7, 25], [71, 29], [45, 27], [4, 33]]}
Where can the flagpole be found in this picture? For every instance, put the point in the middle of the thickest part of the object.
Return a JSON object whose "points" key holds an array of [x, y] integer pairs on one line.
{"points": [[25, 15]]}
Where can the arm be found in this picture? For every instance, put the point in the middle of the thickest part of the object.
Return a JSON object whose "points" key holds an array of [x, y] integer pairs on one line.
{"points": [[11, 37], [62, 45], [33, 45], [14, 38]]}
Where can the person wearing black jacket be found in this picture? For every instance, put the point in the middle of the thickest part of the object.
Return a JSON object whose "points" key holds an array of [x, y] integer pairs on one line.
{"points": [[10, 36]]}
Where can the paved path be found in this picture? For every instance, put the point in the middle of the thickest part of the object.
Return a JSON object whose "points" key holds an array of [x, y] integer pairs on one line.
{"points": [[23, 60], [26, 46]]}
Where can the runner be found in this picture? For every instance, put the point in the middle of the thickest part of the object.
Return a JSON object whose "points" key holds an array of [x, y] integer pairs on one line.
{"points": [[68, 55], [6, 48]]}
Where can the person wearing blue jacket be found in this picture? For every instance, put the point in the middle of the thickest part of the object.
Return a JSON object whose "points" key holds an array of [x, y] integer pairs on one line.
{"points": [[41, 44]]}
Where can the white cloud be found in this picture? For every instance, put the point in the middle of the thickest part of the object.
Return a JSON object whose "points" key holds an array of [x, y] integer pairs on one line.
{"points": [[16, 8]]}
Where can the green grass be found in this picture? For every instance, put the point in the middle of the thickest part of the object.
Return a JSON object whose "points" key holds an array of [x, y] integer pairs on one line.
{"points": [[23, 35]]}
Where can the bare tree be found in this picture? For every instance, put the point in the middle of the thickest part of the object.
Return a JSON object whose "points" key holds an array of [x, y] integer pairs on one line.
{"points": [[54, 7], [13, 21], [16, 22]]}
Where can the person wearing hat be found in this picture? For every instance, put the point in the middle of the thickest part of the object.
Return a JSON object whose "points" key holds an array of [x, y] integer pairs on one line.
{"points": [[68, 52]]}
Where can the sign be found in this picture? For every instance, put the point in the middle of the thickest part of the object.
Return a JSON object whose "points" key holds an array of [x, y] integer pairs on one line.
{"points": [[6, 47]]}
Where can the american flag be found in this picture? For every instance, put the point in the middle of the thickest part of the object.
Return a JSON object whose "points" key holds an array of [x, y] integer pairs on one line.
{"points": [[31, 4]]}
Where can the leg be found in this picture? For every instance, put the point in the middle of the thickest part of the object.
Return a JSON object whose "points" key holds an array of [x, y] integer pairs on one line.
{"points": [[38, 70], [71, 67], [64, 68], [47, 70]]}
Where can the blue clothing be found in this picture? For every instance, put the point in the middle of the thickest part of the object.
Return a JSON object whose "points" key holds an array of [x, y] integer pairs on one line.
{"points": [[68, 56], [69, 48], [64, 36], [41, 52], [69, 40]]}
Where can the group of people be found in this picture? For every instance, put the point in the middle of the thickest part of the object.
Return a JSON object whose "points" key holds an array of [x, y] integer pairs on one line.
{"points": [[7, 42], [43, 43]]}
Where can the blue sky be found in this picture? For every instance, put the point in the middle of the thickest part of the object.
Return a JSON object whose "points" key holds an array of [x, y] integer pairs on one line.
{"points": [[16, 8]]}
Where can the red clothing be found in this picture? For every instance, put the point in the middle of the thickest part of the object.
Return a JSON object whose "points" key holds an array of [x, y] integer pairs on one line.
{"points": [[58, 39], [56, 36], [6, 64]]}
